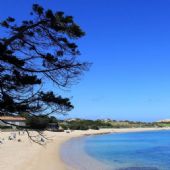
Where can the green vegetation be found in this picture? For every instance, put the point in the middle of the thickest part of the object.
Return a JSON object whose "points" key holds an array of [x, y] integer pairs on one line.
{"points": [[40, 122], [163, 124], [5, 127], [97, 124], [131, 124], [84, 125]]}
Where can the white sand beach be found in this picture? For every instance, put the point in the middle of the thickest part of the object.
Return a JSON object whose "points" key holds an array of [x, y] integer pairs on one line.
{"points": [[31, 156]]}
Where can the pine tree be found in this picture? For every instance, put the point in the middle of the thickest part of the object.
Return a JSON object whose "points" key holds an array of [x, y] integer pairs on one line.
{"points": [[36, 51]]}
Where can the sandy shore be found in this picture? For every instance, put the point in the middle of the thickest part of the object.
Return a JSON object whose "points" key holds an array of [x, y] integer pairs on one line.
{"points": [[27, 155]]}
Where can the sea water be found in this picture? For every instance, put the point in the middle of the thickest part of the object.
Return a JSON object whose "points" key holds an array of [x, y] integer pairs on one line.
{"points": [[120, 151]]}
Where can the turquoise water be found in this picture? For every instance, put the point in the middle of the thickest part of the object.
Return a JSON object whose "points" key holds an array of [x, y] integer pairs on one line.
{"points": [[120, 151], [131, 151]]}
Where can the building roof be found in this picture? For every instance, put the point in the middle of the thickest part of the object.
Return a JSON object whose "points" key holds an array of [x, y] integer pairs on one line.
{"points": [[12, 118]]}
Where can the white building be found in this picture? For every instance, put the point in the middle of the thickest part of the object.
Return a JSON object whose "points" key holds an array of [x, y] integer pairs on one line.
{"points": [[12, 121]]}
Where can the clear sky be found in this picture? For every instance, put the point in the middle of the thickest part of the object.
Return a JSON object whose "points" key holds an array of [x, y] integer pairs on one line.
{"points": [[128, 42]]}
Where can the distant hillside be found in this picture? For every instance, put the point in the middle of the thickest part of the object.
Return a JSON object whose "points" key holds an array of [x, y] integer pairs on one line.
{"points": [[164, 121]]}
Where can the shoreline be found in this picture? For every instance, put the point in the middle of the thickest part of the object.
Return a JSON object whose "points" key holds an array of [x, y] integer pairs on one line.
{"points": [[102, 132], [30, 156]]}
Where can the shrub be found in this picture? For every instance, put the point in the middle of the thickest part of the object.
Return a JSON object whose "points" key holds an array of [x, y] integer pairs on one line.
{"points": [[78, 127], [38, 122], [65, 127], [95, 127], [5, 127]]}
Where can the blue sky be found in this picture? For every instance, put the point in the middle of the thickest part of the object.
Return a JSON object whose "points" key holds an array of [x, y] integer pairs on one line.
{"points": [[128, 42]]}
